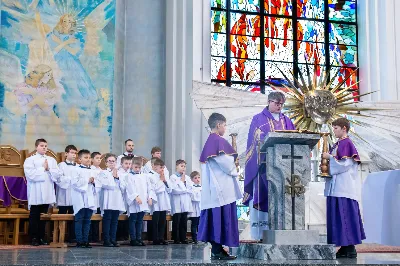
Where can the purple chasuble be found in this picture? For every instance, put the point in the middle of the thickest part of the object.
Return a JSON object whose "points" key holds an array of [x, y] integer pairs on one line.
{"points": [[345, 149], [257, 188], [216, 145]]}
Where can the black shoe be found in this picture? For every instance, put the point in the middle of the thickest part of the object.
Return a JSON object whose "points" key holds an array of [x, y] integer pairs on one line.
{"points": [[134, 243], [43, 243], [87, 245], [107, 244], [351, 252], [35, 242], [156, 243], [115, 243], [80, 245], [223, 255], [341, 253], [163, 242], [195, 242], [184, 242], [141, 242], [176, 242]]}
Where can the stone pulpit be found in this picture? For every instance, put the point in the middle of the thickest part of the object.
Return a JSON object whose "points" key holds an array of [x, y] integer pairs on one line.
{"points": [[286, 161]]}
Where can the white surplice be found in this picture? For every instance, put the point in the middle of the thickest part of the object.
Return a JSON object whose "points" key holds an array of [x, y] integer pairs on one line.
{"points": [[162, 190], [139, 185], [181, 200], [196, 198], [83, 193], [345, 181], [40, 183], [112, 190], [63, 189], [219, 182]]}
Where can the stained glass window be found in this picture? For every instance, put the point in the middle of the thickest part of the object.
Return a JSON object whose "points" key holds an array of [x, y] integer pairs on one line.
{"points": [[252, 39]]}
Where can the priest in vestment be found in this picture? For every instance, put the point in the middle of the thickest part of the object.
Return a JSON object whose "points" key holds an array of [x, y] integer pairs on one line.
{"points": [[256, 185], [220, 191]]}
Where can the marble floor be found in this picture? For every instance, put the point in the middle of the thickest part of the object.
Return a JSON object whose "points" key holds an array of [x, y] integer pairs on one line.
{"points": [[166, 255]]}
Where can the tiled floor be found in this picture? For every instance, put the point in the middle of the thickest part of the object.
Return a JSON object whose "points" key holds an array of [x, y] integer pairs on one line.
{"points": [[166, 255]]}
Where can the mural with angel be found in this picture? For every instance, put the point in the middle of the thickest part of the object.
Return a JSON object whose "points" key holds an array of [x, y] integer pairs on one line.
{"points": [[58, 63]]}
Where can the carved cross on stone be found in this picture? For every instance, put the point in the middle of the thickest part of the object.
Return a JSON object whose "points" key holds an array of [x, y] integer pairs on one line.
{"points": [[295, 187]]}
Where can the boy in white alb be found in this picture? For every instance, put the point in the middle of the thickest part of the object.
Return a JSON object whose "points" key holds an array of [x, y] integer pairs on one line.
{"points": [[129, 147], [41, 172], [63, 189], [155, 153], [196, 197], [159, 209], [94, 225], [123, 172], [139, 197], [112, 203], [83, 195], [181, 202]]}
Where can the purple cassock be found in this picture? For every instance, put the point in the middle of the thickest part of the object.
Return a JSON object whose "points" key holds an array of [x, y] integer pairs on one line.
{"points": [[218, 224], [257, 189], [344, 223]]}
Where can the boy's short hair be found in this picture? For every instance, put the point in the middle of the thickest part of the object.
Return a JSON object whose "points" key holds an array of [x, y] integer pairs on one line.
{"points": [[108, 155], [38, 141], [125, 158], [158, 162], [83, 152], [178, 162], [94, 154], [193, 174], [70, 148], [215, 119], [155, 149], [126, 141], [342, 122], [137, 161], [152, 160]]}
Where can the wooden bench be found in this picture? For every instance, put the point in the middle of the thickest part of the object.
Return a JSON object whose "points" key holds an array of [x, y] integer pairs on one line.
{"points": [[15, 219], [60, 223]]}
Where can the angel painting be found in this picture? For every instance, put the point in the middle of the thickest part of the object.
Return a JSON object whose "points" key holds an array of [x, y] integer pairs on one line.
{"points": [[67, 45], [39, 93], [60, 55]]}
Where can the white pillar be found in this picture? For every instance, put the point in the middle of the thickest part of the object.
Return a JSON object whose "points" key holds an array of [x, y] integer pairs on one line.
{"points": [[379, 49], [187, 57]]}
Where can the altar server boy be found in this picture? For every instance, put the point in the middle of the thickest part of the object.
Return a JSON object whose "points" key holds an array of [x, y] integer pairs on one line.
{"points": [[196, 196], [123, 172], [220, 191], [94, 225], [159, 209], [41, 171], [181, 202], [344, 223], [155, 153], [139, 197], [63, 189], [112, 204], [83, 195]]}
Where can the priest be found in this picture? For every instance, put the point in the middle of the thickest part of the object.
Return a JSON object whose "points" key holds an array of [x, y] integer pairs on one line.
{"points": [[255, 184]]}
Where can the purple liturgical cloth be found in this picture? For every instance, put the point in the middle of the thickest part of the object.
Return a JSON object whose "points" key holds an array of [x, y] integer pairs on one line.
{"points": [[254, 188], [344, 224], [220, 225], [344, 149], [214, 146], [12, 187]]}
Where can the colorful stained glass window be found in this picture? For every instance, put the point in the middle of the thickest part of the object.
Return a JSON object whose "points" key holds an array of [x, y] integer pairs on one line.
{"points": [[252, 39]]}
